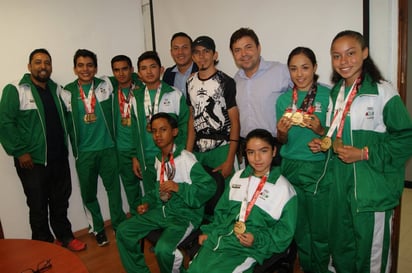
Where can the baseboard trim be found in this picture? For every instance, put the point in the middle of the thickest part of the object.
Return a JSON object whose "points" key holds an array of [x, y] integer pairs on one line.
{"points": [[85, 231]]}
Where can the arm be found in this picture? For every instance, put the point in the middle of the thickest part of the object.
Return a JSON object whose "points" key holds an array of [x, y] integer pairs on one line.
{"points": [[227, 166], [200, 190], [190, 132], [183, 120]]}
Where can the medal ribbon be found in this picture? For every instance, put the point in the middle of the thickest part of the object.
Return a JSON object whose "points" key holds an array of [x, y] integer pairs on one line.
{"points": [[89, 102], [307, 103], [149, 107], [124, 103], [339, 116], [162, 168], [245, 211]]}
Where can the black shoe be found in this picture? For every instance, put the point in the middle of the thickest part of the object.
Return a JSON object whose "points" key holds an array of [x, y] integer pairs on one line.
{"points": [[101, 238]]}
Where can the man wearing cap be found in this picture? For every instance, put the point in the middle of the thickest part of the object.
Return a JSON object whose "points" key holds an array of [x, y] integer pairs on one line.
{"points": [[213, 133]]}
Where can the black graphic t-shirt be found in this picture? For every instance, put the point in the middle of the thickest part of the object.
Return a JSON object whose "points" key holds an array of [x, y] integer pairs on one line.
{"points": [[211, 99]]}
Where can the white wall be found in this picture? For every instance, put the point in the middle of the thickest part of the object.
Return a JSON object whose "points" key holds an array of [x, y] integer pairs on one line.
{"points": [[281, 26], [106, 27]]}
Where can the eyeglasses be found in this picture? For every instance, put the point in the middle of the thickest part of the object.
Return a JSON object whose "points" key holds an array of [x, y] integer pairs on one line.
{"points": [[42, 266]]}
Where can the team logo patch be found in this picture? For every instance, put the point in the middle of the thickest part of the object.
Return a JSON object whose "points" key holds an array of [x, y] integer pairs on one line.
{"points": [[167, 102], [370, 114], [318, 107], [236, 186]]}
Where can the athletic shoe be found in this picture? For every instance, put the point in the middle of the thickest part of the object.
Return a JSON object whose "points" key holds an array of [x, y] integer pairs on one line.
{"points": [[76, 245], [73, 245], [101, 238]]}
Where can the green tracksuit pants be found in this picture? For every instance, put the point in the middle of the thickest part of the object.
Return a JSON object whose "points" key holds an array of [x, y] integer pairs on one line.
{"points": [[311, 234], [130, 181], [211, 261], [214, 158], [130, 232], [89, 166], [359, 241]]}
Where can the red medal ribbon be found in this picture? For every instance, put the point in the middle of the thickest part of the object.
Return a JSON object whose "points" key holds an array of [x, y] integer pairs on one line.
{"points": [[255, 196], [347, 107], [123, 101], [162, 167], [92, 100]]}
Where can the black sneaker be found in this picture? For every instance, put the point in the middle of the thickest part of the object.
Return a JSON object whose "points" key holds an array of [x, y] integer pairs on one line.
{"points": [[101, 238]]}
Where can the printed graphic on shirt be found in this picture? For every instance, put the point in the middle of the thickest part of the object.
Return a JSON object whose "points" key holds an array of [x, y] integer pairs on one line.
{"points": [[211, 119]]}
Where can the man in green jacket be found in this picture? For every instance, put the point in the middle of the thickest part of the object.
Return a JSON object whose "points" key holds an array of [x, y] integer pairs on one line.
{"points": [[125, 83], [88, 102], [156, 96], [33, 131]]}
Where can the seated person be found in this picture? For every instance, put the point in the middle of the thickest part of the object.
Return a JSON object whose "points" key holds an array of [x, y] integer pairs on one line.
{"points": [[176, 205], [255, 217]]}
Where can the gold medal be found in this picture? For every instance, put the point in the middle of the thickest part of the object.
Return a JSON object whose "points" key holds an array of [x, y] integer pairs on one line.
{"points": [[126, 121], [325, 144], [337, 143], [297, 118], [306, 117], [239, 228], [287, 114], [90, 118]]}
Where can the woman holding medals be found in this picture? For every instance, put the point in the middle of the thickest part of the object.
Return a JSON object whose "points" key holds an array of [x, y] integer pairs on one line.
{"points": [[255, 217], [369, 140], [303, 115]]}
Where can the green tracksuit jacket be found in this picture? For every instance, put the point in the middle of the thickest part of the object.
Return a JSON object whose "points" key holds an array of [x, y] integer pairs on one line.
{"points": [[21, 100]]}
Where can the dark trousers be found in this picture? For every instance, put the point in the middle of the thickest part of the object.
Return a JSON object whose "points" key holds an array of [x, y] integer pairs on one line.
{"points": [[47, 190]]}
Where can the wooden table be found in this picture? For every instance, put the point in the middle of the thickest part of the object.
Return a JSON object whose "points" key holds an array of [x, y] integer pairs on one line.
{"points": [[17, 255]]}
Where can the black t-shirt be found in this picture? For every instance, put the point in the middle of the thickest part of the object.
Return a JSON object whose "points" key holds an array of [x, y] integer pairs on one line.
{"points": [[56, 148]]}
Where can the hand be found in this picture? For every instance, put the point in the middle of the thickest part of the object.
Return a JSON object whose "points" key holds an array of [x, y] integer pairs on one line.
{"points": [[312, 122], [143, 208], [136, 167], [246, 239], [349, 154], [284, 125], [169, 186], [26, 161], [202, 238], [314, 145], [226, 168]]}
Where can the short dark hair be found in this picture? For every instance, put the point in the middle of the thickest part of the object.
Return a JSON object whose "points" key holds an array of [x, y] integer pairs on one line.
{"points": [[39, 50], [149, 55], [84, 53], [121, 58], [181, 34], [171, 120], [262, 134], [308, 53], [243, 32]]}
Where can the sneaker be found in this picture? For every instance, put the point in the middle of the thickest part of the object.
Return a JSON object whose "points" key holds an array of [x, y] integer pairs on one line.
{"points": [[73, 245], [101, 238], [76, 245]]}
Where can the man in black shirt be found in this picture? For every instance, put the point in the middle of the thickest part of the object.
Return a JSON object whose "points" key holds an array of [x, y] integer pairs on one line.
{"points": [[33, 131]]}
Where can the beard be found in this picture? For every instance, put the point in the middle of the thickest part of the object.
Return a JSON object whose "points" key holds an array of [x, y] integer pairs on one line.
{"points": [[41, 78]]}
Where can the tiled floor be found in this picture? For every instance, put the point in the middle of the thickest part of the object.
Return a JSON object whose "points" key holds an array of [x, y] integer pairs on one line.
{"points": [[405, 238]]}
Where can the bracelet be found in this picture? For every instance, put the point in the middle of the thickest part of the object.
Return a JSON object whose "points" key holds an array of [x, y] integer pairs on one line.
{"points": [[234, 140]]}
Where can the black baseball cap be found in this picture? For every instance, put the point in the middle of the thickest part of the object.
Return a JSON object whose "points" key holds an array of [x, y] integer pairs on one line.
{"points": [[204, 41]]}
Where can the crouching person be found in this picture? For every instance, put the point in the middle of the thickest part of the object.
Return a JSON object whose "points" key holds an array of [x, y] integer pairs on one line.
{"points": [[176, 205]]}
